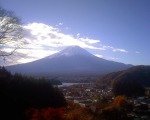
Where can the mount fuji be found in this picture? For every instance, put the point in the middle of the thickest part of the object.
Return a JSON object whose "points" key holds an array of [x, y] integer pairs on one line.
{"points": [[72, 60]]}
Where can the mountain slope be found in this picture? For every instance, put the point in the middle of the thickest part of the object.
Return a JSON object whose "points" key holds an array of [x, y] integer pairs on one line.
{"points": [[128, 82], [72, 60], [140, 74]]}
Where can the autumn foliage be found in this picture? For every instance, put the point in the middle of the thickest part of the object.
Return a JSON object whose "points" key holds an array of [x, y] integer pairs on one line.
{"points": [[78, 114], [25, 98], [120, 101], [116, 110], [72, 112], [45, 114]]}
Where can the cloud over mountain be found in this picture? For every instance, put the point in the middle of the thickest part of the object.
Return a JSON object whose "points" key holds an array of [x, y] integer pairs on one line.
{"points": [[72, 60], [45, 40]]}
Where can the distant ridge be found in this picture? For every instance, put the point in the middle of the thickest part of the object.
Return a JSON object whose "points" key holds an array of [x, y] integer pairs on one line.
{"points": [[72, 60], [139, 74]]}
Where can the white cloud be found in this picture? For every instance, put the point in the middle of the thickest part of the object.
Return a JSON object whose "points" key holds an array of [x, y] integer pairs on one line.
{"points": [[47, 35], [108, 57], [60, 23], [35, 55], [120, 50], [89, 41], [107, 47], [78, 35], [98, 55], [44, 40]]}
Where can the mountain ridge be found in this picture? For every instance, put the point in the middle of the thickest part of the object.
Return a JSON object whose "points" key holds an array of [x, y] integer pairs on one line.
{"points": [[71, 60], [131, 81], [137, 73]]}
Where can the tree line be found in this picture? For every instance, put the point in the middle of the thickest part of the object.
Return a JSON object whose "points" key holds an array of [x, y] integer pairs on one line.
{"points": [[19, 93]]}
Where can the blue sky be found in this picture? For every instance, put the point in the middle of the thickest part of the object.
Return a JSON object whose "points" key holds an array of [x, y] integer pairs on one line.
{"points": [[117, 30]]}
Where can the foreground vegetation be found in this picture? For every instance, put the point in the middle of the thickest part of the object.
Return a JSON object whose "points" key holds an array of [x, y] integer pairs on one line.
{"points": [[114, 111], [27, 98], [19, 93]]}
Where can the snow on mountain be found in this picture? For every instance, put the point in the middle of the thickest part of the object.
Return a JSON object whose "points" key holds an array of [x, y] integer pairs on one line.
{"points": [[72, 60], [72, 51]]}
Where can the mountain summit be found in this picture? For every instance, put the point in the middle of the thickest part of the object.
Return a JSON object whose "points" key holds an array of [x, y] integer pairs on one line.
{"points": [[72, 60], [73, 51]]}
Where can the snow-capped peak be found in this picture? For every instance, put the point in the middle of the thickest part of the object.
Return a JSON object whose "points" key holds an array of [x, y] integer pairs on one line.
{"points": [[73, 51]]}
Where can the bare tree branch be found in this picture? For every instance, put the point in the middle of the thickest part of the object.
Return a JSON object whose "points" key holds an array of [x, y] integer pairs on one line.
{"points": [[11, 33]]}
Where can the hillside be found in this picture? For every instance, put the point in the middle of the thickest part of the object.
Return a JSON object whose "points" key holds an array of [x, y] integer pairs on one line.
{"points": [[19, 93], [129, 81]]}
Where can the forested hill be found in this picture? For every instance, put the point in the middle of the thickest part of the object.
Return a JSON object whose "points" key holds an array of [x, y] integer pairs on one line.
{"points": [[19, 93], [125, 82]]}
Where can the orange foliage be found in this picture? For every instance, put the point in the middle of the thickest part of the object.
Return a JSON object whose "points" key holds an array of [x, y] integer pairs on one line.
{"points": [[45, 114], [120, 101], [59, 114], [75, 112], [78, 114], [116, 110]]}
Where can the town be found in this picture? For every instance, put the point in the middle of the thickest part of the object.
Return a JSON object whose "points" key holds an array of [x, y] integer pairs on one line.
{"points": [[89, 95]]}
